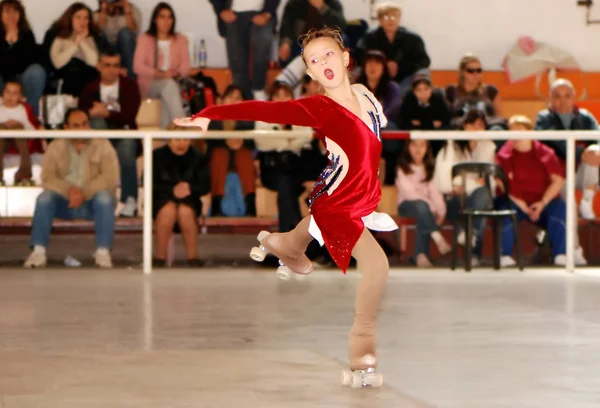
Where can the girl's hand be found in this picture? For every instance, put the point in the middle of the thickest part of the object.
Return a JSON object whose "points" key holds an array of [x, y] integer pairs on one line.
{"points": [[202, 123]]}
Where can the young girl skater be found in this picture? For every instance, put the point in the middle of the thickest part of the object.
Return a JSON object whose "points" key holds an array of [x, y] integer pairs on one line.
{"points": [[344, 199]]}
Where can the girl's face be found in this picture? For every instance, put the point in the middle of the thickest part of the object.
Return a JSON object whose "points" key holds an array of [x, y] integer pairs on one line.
{"points": [[423, 92], [233, 97], [164, 21], [81, 21], [478, 125], [282, 95], [326, 62], [374, 69], [417, 150], [522, 145], [179, 146], [10, 16]]}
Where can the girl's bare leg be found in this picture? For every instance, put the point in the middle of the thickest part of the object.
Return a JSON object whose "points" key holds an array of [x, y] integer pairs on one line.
{"points": [[290, 247], [373, 266]]}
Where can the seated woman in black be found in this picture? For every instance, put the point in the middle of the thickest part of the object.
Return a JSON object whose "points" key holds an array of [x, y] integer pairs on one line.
{"points": [[180, 178]]}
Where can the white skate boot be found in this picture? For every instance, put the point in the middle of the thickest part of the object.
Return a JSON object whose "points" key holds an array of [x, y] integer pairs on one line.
{"points": [[365, 377], [283, 272]]}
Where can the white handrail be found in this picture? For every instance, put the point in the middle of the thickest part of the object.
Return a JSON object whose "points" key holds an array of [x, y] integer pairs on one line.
{"points": [[147, 136]]}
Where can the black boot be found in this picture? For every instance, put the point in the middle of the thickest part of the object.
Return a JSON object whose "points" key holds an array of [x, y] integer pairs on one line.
{"points": [[250, 205], [215, 206]]}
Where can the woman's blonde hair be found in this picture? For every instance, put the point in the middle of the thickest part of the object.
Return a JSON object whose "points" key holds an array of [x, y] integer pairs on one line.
{"points": [[521, 120], [313, 34]]}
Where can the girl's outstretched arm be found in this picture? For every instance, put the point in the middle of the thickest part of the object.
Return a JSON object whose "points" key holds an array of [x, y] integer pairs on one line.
{"points": [[308, 112]]}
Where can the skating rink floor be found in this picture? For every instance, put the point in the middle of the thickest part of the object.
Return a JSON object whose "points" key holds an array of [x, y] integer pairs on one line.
{"points": [[82, 338]]}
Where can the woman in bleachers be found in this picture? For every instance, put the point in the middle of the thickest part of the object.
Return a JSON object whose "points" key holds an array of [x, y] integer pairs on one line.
{"points": [[472, 93], [280, 164], [75, 49], [161, 56], [19, 53], [180, 178], [232, 156], [477, 196], [419, 198]]}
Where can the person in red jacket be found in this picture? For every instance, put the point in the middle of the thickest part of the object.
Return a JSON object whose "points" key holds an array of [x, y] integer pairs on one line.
{"points": [[16, 115], [113, 102], [343, 202]]}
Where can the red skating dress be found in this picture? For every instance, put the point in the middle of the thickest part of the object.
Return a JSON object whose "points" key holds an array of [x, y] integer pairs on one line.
{"points": [[348, 191]]}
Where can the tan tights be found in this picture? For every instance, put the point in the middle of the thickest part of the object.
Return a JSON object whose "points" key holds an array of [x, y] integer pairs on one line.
{"points": [[373, 266]]}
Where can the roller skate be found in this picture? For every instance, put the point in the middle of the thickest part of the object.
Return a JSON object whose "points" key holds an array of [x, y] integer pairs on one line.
{"points": [[367, 376], [288, 266]]}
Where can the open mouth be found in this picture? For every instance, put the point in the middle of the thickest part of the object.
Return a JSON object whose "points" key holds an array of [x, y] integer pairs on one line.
{"points": [[328, 74]]}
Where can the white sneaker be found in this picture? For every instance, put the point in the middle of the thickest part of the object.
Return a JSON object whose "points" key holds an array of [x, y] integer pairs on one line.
{"points": [[260, 95], [102, 258], [129, 208], [507, 260], [37, 259], [586, 210], [461, 239], [579, 257], [560, 260]]}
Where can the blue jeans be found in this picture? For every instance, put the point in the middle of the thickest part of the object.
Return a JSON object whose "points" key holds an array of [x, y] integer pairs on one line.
{"points": [[50, 205], [127, 154], [552, 218], [426, 223], [478, 200], [33, 80], [243, 37], [126, 40]]}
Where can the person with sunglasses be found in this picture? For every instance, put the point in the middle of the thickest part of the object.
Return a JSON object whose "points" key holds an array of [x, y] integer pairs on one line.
{"points": [[471, 93]]}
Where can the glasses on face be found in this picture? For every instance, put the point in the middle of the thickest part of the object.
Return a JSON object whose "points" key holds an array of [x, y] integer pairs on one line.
{"points": [[389, 17], [474, 70]]}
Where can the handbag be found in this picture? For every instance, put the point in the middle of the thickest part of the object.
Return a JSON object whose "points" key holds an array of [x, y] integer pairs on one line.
{"points": [[54, 107]]}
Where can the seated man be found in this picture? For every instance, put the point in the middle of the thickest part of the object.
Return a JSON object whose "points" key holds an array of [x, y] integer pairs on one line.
{"points": [[80, 178], [535, 181], [113, 102]]}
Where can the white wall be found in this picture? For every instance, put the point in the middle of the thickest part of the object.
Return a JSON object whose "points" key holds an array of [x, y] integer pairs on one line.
{"points": [[449, 27]]}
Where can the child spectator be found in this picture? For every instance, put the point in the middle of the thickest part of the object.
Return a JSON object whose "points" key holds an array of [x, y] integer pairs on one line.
{"points": [[16, 115], [180, 178], [535, 180], [419, 198]]}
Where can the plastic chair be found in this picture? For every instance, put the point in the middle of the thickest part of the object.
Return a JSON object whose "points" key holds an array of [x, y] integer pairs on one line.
{"points": [[485, 171]]}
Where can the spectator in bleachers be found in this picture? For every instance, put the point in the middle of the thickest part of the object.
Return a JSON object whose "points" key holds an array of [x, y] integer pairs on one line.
{"points": [[563, 114], [80, 178], [232, 156], [280, 165], [120, 22], [299, 16], [161, 56], [16, 115], [424, 108], [404, 49], [75, 49], [180, 178], [376, 78], [477, 196], [471, 93], [112, 102], [535, 181], [419, 198], [19, 53], [248, 28]]}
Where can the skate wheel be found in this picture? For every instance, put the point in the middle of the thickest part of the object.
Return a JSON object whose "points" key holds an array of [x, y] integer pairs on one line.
{"points": [[346, 377], [262, 235], [373, 380], [284, 273], [357, 380], [258, 254]]}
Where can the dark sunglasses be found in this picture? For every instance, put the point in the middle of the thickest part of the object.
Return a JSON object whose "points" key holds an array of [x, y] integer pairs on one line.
{"points": [[474, 70]]}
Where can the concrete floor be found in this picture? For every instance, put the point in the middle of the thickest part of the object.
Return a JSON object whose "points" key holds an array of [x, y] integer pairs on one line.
{"points": [[233, 338]]}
